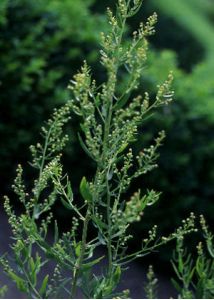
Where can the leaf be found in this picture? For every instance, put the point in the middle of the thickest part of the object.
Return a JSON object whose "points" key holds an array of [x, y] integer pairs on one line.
{"points": [[110, 175], [210, 248], [180, 265], [56, 232], [116, 276], [176, 270], [43, 288], [122, 148], [100, 285], [66, 204], [85, 147], [85, 190], [19, 281], [176, 285], [33, 271], [101, 239], [69, 192], [199, 267], [91, 263], [99, 223], [121, 102], [191, 274], [78, 249], [32, 265]]}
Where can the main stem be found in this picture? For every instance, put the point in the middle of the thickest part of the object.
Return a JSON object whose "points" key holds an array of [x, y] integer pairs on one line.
{"points": [[107, 130], [82, 253]]}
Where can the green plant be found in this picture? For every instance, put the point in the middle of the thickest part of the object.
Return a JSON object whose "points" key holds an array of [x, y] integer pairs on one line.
{"points": [[151, 284], [109, 120], [188, 121], [196, 275], [3, 291]]}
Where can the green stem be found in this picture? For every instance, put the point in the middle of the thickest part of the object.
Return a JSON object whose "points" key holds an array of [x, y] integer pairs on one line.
{"points": [[44, 152], [107, 129], [109, 244], [68, 200], [37, 294], [78, 266]]}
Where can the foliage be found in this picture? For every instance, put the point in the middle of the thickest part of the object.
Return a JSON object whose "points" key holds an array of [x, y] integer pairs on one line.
{"points": [[196, 276], [41, 45], [187, 14], [109, 121], [3, 291]]}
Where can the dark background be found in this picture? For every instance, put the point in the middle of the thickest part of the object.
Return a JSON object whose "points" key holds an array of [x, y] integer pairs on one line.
{"points": [[43, 43]]}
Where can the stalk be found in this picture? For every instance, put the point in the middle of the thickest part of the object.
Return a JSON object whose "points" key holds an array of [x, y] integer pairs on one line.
{"points": [[78, 266], [107, 130]]}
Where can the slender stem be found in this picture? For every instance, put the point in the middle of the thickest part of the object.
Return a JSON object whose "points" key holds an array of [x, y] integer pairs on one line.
{"points": [[44, 152], [66, 197], [109, 246], [37, 294], [147, 249], [78, 266], [107, 129]]}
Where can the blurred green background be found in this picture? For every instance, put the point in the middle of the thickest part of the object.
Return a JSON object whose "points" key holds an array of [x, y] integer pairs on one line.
{"points": [[43, 43]]}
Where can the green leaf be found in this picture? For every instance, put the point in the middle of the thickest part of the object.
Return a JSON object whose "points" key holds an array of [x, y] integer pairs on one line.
{"points": [[19, 281], [85, 190], [101, 239], [122, 148], [116, 276], [78, 249], [176, 285], [91, 263], [3, 291], [99, 223], [43, 288], [199, 267], [69, 192], [56, 232], [180, 264], [32, 271], [66, 204], [85, 147], [32, 265], [210, 247], [121, 102]]}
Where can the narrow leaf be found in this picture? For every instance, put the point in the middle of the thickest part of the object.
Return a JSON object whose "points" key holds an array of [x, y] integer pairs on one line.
{"points": [[116, 276], [85, 190], [56, 232], [176, 285], [91, 263], [85, 147], [20, 283], [43, 288], [69, 192], [66, 204], [78, 249]]}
